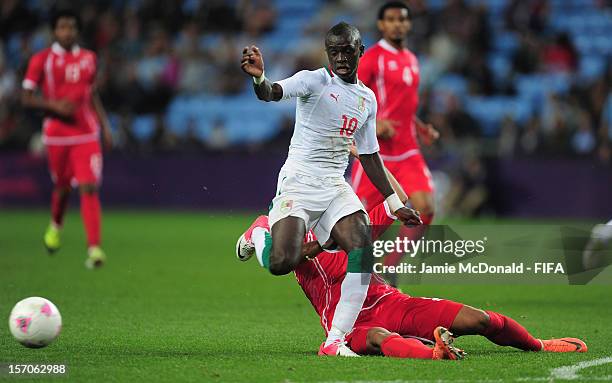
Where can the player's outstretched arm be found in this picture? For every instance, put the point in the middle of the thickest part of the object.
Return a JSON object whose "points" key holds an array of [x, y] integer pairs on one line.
{"points": [[253, 65], [375, 170], [399, 190]]}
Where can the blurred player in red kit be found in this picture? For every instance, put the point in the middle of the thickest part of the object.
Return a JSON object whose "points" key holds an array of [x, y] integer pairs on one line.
{"points": [[392, 72], [74, 118]]}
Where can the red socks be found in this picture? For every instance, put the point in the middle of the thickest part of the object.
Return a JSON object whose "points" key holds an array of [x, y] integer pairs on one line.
{"points": [[398, 347], [90, 212], [506, 331], [59, 202]]}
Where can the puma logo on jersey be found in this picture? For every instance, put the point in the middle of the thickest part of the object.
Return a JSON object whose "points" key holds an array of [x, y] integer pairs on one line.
{"points": [[334, 96]]}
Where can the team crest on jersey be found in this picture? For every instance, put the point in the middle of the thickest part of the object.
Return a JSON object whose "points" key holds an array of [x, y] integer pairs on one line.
{"points": [[361, 103], [286, 206]]}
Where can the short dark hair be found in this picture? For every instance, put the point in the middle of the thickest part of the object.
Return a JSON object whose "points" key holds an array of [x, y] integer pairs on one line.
{"points": [[393, 5], [68, 13], [341, 29]]}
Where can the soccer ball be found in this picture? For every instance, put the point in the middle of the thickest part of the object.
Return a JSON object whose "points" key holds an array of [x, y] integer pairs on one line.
{"points": [[35, 322]]}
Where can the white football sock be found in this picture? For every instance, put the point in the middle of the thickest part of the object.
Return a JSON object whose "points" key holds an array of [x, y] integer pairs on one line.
{"points": [[353, 292], [259, 240]]}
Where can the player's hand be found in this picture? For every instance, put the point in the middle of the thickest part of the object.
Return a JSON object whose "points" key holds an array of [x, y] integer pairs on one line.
{"points": [[408, 216], [63, 108], [252, 61], [385, 128], [428, 134], [311, 249]]}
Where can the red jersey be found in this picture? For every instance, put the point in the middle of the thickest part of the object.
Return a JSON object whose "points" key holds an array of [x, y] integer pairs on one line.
{"points": [[394, 77], [321, 277], [66, 75]]}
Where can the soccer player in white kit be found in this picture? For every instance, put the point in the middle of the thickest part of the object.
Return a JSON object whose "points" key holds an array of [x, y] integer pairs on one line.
{"points": [[333, 109]]}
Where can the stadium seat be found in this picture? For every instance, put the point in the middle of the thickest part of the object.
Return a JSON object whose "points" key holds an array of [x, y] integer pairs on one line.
{"points": [[143, 127], [591, 67], [505, 42], [500, 66], [490, 111], [452, 83], [535, 88]]}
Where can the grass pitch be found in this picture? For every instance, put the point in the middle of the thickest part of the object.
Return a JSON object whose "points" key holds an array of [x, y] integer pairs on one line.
{"points": [[174, 305]]}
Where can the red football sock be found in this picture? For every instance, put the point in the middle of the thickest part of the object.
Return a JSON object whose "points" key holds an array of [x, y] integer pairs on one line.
{"points": [[398, 347], [59, 202], [506, 331], [90, 212]]}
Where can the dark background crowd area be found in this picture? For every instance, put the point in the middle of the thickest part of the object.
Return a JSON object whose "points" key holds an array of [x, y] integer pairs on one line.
{"points": [[498, 78]]}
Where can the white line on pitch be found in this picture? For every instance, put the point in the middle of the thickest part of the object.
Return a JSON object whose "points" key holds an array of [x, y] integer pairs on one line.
{"points": [[570, 372]]}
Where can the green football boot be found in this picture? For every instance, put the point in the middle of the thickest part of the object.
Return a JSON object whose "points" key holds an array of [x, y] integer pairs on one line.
{"points": [[96, 258], [52, 239]]}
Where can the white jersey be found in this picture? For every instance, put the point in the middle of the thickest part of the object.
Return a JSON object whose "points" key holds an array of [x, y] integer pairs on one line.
{"points": [[329, 114]]}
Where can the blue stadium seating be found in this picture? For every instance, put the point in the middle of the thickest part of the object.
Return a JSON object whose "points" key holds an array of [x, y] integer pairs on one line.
{"points": [[490, 111], [143, 127], [453, 83], [588, 27]]}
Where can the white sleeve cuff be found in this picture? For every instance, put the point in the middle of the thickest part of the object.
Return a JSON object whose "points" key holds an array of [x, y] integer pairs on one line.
{"points": [[395, 203], [388, 211]]}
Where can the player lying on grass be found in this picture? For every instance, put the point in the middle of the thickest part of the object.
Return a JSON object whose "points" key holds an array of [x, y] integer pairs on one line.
{"points": [[388, 315]]}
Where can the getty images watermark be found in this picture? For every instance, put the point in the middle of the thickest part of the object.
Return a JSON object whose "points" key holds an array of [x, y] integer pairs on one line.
{"points": [[474, 254], [457, 248]]}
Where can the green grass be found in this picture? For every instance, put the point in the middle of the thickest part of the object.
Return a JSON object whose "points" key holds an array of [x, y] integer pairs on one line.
{"points": [[174, 305]]}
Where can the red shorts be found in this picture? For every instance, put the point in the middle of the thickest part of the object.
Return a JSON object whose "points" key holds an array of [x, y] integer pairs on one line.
{"points": [[406, 316], [81, 163], [412, 173]]}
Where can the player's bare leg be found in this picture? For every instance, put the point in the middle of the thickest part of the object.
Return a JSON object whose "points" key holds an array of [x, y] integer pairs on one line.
{"points": [[286, 253], [381, 341], [505, 331], [59, 203], [90, 213], [352, 234], [423, 202], [281, 255]]}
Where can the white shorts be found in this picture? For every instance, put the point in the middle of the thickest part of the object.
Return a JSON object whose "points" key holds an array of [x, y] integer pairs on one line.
{"points": [[319, 201]]}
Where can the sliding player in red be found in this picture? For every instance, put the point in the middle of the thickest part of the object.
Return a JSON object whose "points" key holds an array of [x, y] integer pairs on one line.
{"points": [[65, 75], [392, 72], [389, 315]]}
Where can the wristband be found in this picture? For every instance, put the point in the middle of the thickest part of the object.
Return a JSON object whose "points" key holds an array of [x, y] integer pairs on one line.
{"points": [[260, 79], [394, 202]]}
